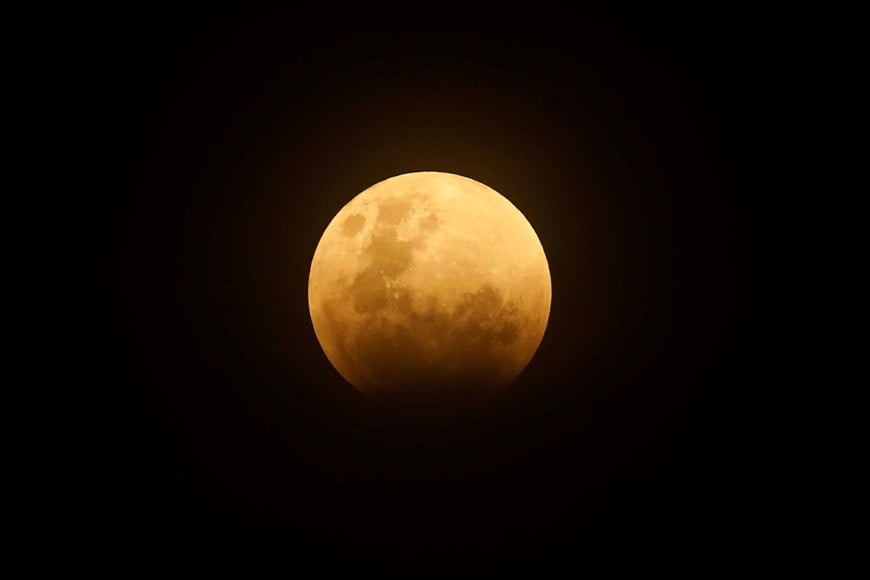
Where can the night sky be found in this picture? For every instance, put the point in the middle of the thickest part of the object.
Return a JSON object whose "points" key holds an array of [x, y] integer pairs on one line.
{"points": [[218, 431]]}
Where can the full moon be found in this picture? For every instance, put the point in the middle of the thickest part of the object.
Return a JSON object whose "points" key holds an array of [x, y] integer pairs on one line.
{"points": [[429, 289]]}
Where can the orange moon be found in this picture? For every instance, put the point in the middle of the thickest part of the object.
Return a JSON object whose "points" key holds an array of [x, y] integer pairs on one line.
{"points": [[429, 289]]}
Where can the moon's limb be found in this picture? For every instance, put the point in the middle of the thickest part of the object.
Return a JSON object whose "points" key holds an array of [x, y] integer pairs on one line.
{"points": [[429, 283]]}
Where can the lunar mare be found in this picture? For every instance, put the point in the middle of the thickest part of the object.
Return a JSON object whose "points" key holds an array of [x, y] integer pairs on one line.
{"points": [[429, 287]]}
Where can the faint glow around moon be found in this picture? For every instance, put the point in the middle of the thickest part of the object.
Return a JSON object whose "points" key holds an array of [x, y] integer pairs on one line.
{"points": [[429, 288]]}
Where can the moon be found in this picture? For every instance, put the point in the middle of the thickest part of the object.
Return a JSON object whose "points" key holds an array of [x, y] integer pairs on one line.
{"points": [[429, 289]]}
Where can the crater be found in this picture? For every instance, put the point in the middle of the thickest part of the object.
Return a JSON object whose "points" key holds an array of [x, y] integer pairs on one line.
{"points": [[353, 224], [389, 256], [393, 210], [508, 333], [430, 223], [369, 291], [481, 305], [484, 318]]}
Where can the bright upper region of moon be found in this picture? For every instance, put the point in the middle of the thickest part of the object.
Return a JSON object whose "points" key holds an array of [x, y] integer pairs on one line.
{"points": [[429, 288]]}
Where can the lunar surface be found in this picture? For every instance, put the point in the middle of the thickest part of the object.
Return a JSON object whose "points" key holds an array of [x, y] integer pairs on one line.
{"points": [[429, 289]]}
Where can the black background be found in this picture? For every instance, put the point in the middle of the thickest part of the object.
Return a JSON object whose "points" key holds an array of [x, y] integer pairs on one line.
{"points": [[227, 140]]}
